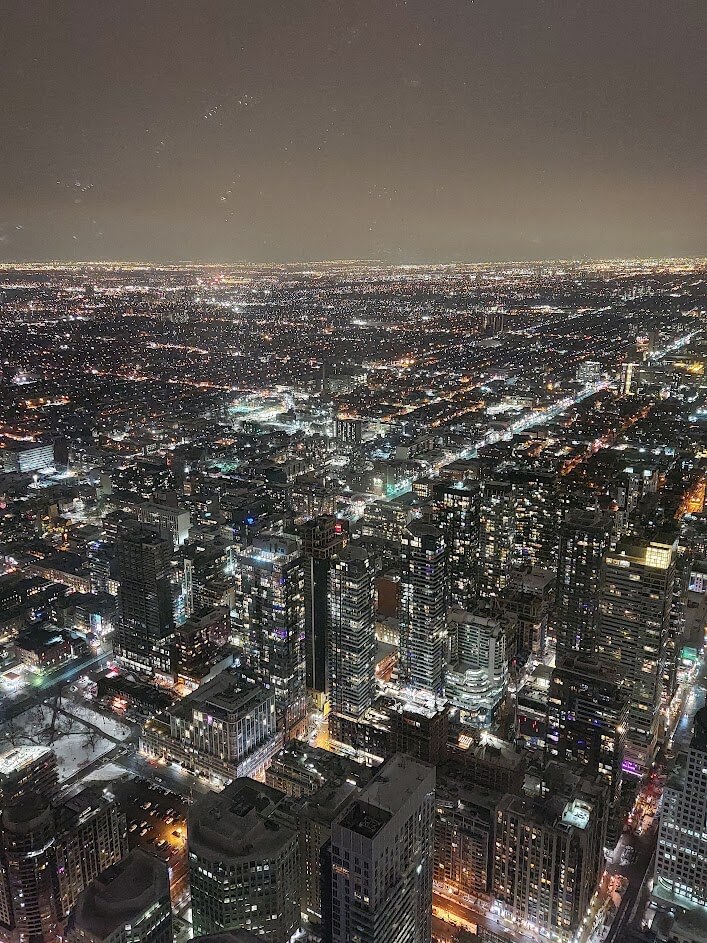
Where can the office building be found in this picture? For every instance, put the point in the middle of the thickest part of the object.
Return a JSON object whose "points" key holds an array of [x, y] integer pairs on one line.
{"points": [[423, 626], [145, 624], [270, 579], [243, 864], [127, 903], [382, 858], [351, 631], [635, 608], [584, 539]]}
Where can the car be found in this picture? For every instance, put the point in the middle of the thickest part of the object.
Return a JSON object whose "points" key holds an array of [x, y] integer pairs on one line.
{"points": [[160, 843], [143, 833], [133, 827], [177, 834]]}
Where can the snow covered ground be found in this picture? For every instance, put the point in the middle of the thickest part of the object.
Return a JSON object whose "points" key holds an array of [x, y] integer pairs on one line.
{"points": [[107, 773], [76, 745], [111, 726]]}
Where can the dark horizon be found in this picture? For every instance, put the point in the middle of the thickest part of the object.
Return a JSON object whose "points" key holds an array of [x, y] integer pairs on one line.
{"points": [[395, 130]]}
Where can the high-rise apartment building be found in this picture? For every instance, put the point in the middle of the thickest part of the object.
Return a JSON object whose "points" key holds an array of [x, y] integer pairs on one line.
{"points": [[243, 863], [496, 536], [145, 623], [382, 858], [549, 854], [423, 625], [537, 516], [351, 630], [322, 538], [635, 609], [48, 855], [681, 856], [456, 512], [584, 539], [270, 577], [477, 677], [587, 719], [127, 903]]}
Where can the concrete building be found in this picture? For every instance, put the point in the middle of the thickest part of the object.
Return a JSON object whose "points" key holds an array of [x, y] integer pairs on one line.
{"points": [[635, 609], [48, 856], [225, 729], [351, 633], [171, 521], [243, 864], [145, 626], [423, 626], [270, 581], [549, 853], [25, 769], [382, 858], [127, 903]]}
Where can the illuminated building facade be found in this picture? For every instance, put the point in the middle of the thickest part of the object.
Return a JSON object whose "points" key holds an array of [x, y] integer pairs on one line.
{"points": [[584, 539], [271, 577], [635, 610], [423, 625], [351, 631]]}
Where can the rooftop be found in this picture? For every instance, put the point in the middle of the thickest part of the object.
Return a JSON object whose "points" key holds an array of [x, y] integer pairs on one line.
{"points": [[121, 894]]}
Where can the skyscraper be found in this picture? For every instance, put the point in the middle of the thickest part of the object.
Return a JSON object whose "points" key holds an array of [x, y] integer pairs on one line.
{"points": [[584, 538], [322, 538], [681, 857], [456, 511], [635, 607], [270, 574], [49, 854], [423, 626], [145, 623], [351, 629], [496, 536], [477, 677], [587, 719], [382, 858]]}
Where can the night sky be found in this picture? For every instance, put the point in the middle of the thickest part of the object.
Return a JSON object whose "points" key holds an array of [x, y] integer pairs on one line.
{"points": [[401, 130]]}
